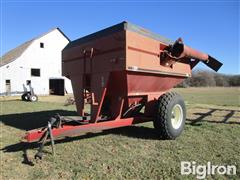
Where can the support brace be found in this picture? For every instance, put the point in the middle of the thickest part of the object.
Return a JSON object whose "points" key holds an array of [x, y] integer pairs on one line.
{"points": [[48, 133]]}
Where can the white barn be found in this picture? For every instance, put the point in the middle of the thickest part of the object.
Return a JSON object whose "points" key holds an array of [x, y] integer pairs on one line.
{"points": [[37, 61]]}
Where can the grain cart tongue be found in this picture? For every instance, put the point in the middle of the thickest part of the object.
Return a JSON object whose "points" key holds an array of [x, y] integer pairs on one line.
{"points": [[125, 72]]}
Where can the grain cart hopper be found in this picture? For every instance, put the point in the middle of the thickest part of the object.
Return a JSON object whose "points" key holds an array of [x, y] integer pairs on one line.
{"points": [[126, 73]]}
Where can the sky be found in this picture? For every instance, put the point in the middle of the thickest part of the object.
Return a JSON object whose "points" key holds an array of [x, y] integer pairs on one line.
{"points": [[208, 26]]}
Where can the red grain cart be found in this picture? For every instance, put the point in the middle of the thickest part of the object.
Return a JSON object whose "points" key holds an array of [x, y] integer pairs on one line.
{"points": [[126, 72]]}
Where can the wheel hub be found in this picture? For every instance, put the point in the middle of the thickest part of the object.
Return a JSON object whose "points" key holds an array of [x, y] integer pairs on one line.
{"points": [[177, 116]]}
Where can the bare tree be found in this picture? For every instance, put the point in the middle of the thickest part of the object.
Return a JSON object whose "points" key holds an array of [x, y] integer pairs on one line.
{"points": [[202, 78]]}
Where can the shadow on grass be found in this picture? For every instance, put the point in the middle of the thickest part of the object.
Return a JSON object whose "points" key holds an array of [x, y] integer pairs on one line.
{"points": [[28, 121], [225, 118], [130, 131]]}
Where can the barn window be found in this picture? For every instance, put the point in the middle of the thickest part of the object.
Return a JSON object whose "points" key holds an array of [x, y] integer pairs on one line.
{"points": [[8, 86], [41, 45], [8, 81], [35, 72]]}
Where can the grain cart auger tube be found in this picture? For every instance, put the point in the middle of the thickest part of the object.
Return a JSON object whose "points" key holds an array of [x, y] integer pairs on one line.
{"points": [[126, 73], [178, 50]]}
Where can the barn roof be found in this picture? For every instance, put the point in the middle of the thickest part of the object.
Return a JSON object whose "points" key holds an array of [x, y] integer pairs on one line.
{"points": [[18, 51], [14, 53]]}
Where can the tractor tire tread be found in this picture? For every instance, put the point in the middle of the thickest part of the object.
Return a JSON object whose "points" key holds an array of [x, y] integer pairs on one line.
{"points": [[161, 120]]}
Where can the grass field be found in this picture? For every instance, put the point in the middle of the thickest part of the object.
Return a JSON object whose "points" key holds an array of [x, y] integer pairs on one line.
{"points": [[213, 95], [212, 133]]}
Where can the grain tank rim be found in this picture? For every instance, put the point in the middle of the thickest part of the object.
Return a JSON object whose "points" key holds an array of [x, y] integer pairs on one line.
{"points": [[123, 26]]}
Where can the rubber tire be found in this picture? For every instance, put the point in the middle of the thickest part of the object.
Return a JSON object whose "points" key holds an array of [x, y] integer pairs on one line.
{"points": [[25, 96], [162, 122], [33, 98]]}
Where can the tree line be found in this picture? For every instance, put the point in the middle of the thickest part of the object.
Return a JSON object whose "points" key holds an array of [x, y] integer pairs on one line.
{"points": [[202, 78]]}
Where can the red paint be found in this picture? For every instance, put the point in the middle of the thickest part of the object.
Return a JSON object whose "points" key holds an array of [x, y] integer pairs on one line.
{"points": [[143, 51], [119, 69], [70, 130]]}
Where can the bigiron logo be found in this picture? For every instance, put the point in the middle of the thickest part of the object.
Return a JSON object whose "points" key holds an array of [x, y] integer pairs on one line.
{"points": [[201, 171]]}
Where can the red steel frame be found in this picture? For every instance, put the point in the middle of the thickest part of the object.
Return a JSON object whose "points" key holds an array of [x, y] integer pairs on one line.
{"points": [[96, 124], [118, 70], [113, 80], [70, 130]]}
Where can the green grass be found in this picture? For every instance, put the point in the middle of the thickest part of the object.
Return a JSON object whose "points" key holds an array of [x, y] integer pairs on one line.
{"points": [[214, 95], [125, 153]]}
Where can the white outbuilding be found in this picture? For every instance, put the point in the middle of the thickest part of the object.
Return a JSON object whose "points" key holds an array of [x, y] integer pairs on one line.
{"points": [[37, 61]]}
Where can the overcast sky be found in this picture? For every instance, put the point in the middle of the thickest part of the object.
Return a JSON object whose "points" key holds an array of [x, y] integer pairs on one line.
{"points": [[209, 26]]}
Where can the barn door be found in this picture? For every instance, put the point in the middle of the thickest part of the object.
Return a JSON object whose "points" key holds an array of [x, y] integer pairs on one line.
{"points": [[8, 87], [56, 87]]}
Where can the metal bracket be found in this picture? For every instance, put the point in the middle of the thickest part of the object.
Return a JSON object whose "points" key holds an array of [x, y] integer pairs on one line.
{"points": [[48, 133]]}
